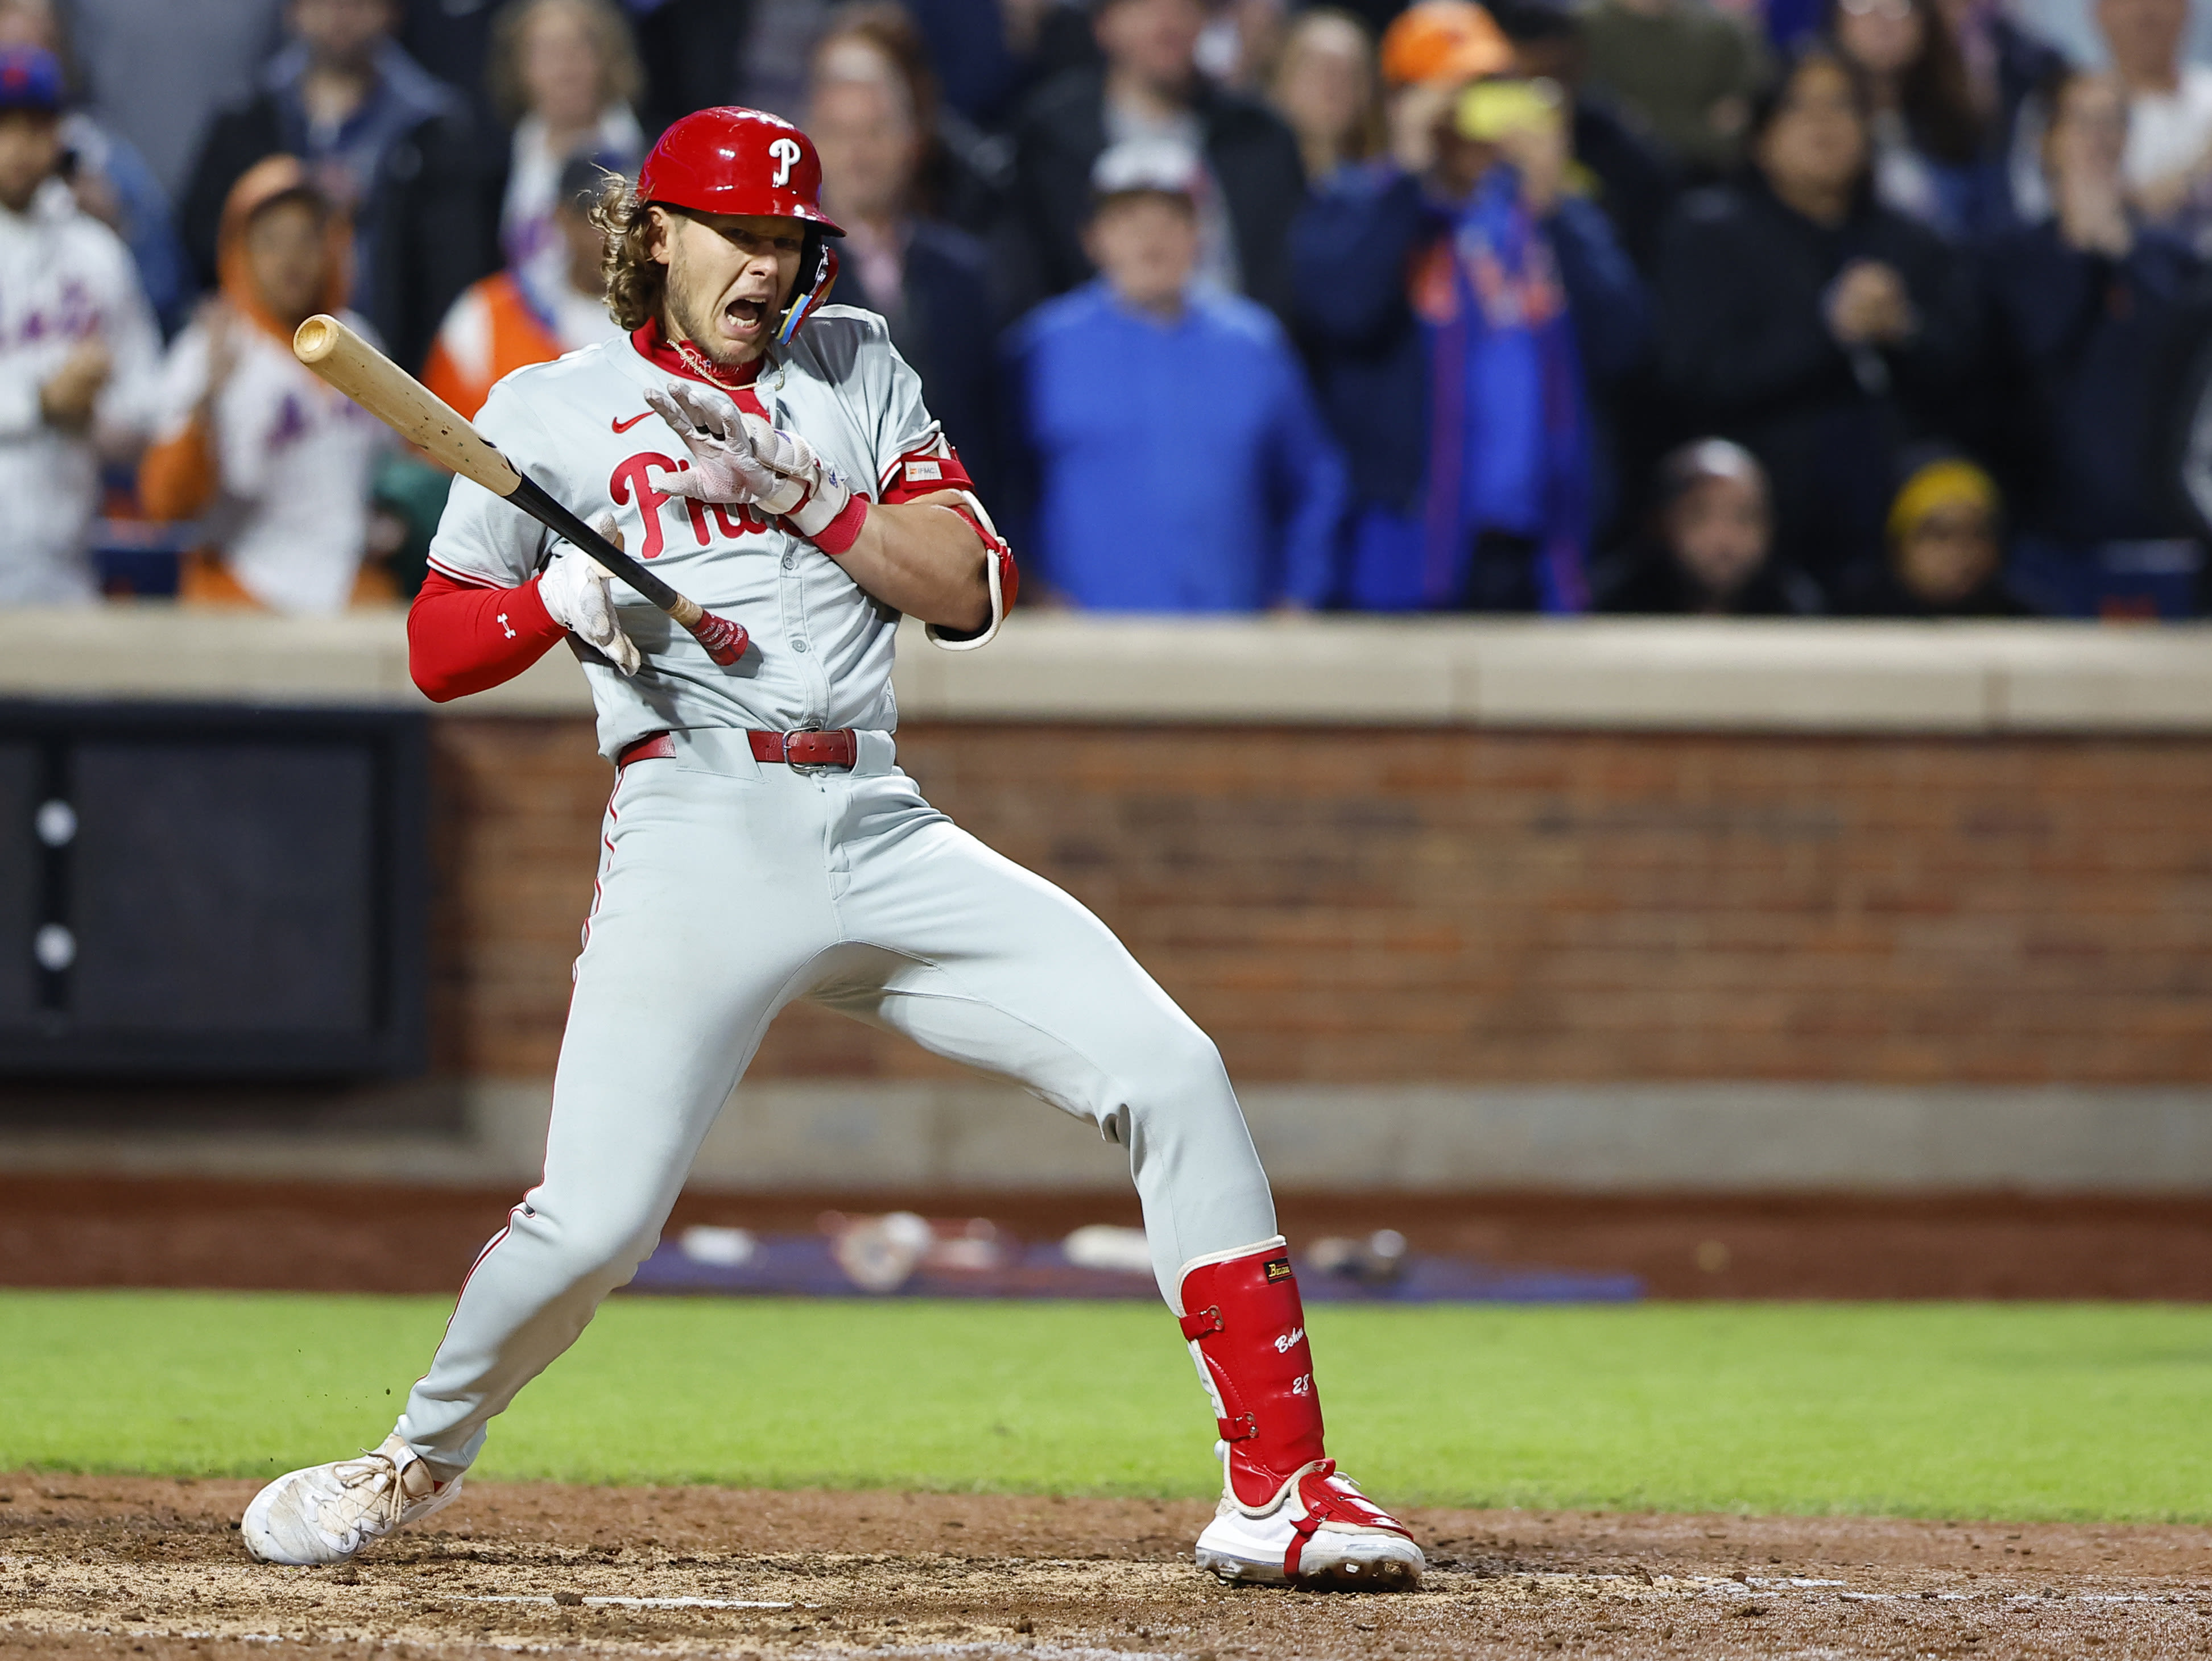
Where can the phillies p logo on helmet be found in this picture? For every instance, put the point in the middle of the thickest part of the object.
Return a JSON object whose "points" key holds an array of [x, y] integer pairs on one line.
{"points": [[787, 153]]}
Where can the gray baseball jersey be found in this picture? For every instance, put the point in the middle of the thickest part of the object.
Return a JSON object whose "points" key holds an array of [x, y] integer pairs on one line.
{"points": [[822, 652]]}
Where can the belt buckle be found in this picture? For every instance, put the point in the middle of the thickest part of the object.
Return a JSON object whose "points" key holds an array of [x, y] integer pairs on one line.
{"points": [[797, 766]]}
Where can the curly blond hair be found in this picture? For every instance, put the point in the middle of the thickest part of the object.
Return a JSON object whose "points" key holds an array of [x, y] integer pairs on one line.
{"points": [[636, 282]]}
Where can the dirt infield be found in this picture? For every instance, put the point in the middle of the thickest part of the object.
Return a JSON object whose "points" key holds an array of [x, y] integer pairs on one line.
{"points": [[119, 1567], [281, 1236]]}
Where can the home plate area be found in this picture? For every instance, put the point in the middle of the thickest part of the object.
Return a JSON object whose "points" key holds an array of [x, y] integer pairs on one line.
{"points": [[121, 1567]]}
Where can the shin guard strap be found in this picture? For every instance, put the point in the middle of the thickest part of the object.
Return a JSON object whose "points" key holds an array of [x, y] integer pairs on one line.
{"points": [[1196, 1326]]}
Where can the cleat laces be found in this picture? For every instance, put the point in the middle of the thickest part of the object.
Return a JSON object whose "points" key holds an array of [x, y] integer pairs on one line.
{"points": [[369, 1497]]}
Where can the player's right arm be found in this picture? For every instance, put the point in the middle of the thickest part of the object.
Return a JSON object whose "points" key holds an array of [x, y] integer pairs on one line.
{"points": [[485, 613], [465, 636]]}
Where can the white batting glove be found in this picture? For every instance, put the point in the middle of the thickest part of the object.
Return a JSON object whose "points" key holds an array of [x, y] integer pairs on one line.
{"points": [[738, 458], [723, 466], [577, 593], [815, 494]]}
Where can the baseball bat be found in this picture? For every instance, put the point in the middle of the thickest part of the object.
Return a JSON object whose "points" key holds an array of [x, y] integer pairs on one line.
{"points": [[411, 409]]}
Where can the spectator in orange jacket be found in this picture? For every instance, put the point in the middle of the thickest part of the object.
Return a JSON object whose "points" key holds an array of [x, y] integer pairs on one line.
{"points": [[275, 464], [520, 316]]}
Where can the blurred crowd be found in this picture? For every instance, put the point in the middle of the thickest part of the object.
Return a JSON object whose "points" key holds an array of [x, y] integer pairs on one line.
{"points": [[1778, 307]]}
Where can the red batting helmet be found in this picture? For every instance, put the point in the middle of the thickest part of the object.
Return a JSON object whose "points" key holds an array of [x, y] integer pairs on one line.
{"points": [[734, 160]]}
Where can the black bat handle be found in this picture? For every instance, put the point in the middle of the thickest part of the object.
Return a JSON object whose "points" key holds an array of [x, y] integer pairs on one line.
{"points": [[530, 497], [725, 641]]}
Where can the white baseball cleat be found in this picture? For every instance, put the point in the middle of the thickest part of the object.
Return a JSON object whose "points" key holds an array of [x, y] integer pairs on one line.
{"points": [[327, 1514], [1320, 1533]]}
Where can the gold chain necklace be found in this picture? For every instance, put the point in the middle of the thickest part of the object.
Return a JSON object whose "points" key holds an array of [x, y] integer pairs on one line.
{"points": [[704, 368]]}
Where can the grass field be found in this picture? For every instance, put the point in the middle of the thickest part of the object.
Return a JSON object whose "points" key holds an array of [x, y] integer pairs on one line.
{"points": [[2017, 1411]]}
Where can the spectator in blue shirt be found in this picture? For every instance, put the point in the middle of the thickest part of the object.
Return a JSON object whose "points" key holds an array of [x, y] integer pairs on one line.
{"points": [[1179, 461]]}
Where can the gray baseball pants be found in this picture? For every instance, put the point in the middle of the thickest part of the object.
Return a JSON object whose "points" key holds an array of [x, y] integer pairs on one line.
{"points": [[728, 888]]}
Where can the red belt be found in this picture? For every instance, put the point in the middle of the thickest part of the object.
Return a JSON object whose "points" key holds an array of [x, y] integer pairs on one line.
{"points": [[837, 748]]}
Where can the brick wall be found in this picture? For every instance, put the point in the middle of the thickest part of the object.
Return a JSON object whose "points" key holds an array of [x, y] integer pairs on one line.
{"points": [[1476, 905]]}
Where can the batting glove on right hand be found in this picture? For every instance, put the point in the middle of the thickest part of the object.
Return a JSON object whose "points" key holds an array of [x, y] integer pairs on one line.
{"points": [[579, 595]]}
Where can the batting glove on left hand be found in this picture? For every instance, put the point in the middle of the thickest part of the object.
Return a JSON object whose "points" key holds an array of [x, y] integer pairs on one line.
{"points": [[737, 457], [578, 594]]}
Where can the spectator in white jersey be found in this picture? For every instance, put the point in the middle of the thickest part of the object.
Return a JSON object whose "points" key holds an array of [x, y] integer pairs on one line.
{"points": [[78, 348], [275, 463], [111, 179]]}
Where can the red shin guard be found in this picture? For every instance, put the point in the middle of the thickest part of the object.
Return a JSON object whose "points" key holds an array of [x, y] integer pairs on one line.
{"points": [[1244, 1318]]}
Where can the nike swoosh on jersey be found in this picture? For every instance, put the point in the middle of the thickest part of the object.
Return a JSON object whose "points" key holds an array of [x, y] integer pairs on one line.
{"points": [[624, 426]]}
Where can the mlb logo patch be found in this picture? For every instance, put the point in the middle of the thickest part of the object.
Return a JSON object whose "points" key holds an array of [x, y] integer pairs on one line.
{"points": [[918, 471], [1278, 1269]]}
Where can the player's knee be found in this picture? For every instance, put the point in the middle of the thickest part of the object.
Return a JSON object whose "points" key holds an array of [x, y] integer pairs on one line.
{"points": [[1179, 1068], [609, 1259], [601, 1250]]}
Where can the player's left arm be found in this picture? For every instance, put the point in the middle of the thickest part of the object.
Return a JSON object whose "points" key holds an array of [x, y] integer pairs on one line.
{"points": [[926, 547], [929, 558]]}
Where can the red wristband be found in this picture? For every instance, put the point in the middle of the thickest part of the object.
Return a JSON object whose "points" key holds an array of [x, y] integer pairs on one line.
{"points": [[841, 533]]}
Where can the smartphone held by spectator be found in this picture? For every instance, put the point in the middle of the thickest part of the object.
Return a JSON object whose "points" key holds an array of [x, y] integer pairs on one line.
{"points": [[79, 355], [275, 464]]}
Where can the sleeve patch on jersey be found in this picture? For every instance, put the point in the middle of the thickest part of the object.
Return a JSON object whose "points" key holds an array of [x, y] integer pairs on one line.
{"points": [[923, 476]]}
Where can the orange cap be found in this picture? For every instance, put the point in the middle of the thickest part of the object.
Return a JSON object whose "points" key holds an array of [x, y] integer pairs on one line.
{"points": [[1444, 40]]}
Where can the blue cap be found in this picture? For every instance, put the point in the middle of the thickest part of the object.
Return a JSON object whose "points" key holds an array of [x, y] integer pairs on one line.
{"points": [[30, 79]]}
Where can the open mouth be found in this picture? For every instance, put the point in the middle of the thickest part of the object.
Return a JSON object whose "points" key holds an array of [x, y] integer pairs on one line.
{"points": [[745, 317]]}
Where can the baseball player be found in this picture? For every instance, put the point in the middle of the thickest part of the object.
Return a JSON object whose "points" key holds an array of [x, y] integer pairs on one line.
{"points": [[774, 456]]}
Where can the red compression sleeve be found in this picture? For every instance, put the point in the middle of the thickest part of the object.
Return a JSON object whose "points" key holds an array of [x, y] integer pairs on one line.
{"points": [[462, 639]]}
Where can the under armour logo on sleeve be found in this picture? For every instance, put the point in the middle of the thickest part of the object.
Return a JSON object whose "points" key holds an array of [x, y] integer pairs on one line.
{"points": [[508, 626]]}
